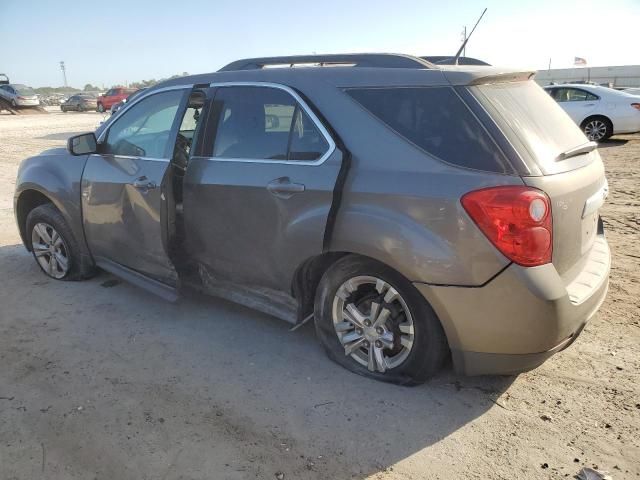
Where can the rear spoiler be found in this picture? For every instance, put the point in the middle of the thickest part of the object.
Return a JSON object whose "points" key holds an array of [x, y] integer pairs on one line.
{"points": [[468, 75], [503, 78]]}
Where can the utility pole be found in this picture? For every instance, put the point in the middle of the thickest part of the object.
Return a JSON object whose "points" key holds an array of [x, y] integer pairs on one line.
{"points": [[64, 73]]}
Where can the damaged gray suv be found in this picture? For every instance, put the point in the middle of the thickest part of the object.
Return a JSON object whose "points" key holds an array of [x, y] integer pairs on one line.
{"points": [[413, 212]]}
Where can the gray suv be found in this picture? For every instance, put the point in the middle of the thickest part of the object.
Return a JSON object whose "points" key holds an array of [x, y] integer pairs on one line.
{"points": [[413, 212]]}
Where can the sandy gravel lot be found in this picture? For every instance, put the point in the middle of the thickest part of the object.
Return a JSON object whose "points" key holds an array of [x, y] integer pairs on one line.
{"points": [[99, 380]]}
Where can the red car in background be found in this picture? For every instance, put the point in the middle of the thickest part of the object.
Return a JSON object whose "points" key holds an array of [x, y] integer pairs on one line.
{"points": [[113, 96]]}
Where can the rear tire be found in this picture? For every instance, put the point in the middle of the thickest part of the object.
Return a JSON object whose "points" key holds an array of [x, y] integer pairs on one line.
{"points": [[406, 347], [44, 224], [597, 129]]}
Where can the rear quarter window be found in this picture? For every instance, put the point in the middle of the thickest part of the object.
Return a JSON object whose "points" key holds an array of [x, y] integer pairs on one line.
{"points": [[437, 121]]}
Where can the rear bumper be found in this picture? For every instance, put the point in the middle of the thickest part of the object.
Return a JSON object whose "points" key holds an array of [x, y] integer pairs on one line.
{"points": [[521, 317], [27, 103], [629, 124]]}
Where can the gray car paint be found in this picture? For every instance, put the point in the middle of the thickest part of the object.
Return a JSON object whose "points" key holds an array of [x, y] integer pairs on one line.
{"points": [[399, 205], [57, 175], [122, 221]]}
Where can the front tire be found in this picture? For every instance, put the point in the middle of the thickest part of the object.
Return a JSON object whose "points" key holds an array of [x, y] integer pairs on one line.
{"points": [[374, 322], [53, 244], [597, 129], [100, 108]]}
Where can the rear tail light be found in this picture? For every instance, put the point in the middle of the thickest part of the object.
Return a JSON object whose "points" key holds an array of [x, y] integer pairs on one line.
{"points": [[636, 106], [516, 219]]}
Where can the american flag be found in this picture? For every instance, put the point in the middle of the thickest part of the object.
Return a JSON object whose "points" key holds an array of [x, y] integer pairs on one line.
{"points": [[579, 61]]}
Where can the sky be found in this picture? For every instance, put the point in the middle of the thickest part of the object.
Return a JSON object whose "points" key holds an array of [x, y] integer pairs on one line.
{"points": [[116, 42]]}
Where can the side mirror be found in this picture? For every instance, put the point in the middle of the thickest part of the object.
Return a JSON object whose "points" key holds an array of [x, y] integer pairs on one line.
{"points": [[82, 144]]}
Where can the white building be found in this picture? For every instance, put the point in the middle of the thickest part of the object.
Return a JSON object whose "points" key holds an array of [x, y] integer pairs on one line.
{"points": [[618, 77]]}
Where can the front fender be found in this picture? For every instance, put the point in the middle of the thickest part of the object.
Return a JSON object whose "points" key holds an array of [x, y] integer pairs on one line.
{"points": [[57, 175]]}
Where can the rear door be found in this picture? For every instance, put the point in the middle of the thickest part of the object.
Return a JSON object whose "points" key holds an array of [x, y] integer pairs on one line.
{"points": [[578, 103], [123, 187], [258, 197]]}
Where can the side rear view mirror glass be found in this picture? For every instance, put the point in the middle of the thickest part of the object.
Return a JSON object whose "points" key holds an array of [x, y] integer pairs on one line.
{"points": [[83, 144]]}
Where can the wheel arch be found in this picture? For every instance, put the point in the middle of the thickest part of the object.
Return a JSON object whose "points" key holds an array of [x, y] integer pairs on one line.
{"points": [[25, 203], [308, 275], [598, 115]]}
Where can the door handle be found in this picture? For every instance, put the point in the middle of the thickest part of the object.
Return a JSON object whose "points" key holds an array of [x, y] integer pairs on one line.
{"points": [[283, 187], [143, 183]]}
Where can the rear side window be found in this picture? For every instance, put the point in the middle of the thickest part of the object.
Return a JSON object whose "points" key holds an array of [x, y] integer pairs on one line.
{"points": [[263, 123], [573, 95], [436, 120]]}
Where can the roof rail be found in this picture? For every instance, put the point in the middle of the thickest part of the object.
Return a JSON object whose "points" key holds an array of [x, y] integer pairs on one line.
{"points": [[379, 60]]}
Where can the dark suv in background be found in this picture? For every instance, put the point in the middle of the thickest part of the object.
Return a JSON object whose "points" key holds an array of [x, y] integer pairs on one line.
{"points": [[410, 210]]}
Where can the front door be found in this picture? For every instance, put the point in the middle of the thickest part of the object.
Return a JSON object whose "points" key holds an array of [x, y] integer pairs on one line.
{"points": [[258, 196], [123, 187]]}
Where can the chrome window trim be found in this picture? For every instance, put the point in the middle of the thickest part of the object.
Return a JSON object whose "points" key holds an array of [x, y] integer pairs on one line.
{"points": [[142, 96], [316, 121], [131, 157]]}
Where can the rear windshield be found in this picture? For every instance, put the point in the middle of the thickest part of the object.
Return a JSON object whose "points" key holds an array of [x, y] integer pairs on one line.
{"points": [[525, 110], [436, 120], [24, 90]]}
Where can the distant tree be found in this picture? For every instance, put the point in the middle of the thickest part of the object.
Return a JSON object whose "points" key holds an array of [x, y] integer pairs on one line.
{"points": [[90, 88]]}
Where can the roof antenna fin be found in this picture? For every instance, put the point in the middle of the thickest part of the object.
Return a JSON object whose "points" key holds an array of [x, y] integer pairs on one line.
{"points": [[464, 44]]}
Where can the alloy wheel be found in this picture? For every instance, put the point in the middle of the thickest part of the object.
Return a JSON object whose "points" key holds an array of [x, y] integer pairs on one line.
{"points": [[50, 250], [595, 130], [373, 323]]}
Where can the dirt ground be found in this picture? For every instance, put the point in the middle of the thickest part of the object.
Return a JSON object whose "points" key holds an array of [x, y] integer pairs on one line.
{"points": [[100, 380]]}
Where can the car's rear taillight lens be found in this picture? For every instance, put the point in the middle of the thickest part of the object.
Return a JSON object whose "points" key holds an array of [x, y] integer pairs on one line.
{"points": [[636, 106], [516, 219]]}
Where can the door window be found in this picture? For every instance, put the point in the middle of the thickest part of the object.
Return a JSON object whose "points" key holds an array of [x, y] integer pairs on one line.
{"points": [[145, 129], [263, 123], [573, 95]]}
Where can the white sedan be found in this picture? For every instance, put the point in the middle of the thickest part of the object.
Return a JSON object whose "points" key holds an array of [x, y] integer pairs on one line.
{"points": [[600, 111]]}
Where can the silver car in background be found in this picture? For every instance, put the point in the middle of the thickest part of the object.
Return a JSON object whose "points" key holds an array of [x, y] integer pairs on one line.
{"points": [[19, 95]]}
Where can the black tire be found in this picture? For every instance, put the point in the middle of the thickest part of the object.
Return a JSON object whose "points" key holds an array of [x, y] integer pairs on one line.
{"points": [[430, 346], [13, 103], [49, 214], [100, 108], [604, 125]]}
